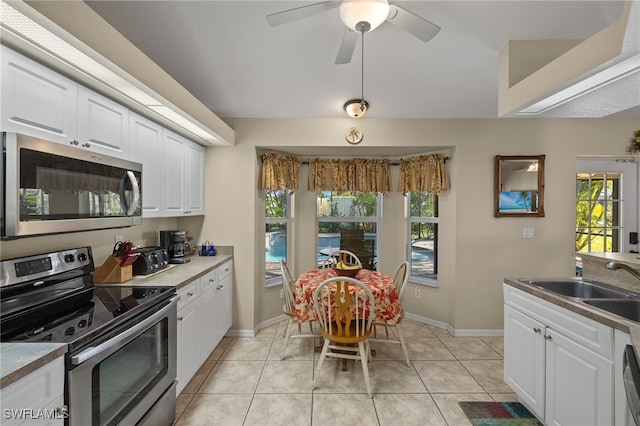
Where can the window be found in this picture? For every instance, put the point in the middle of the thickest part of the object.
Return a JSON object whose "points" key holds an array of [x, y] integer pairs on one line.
{"points": [[276, 236], [423, 237], [350, 221], [598, 207]]}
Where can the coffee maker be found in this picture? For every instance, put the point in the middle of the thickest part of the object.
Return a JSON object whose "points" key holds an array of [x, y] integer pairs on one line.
{"points": [[175, 242]]}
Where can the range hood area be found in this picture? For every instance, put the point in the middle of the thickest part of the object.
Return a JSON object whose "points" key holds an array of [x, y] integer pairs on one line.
{"points": [[592, 78]]}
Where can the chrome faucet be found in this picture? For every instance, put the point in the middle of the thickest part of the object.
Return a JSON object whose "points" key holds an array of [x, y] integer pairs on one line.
{"points": [[617, 265]]}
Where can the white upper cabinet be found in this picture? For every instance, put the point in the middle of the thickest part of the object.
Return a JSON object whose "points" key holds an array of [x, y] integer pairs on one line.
{"points": [[103, 125], [174, 168], [145, 138], [35, 100], [194, 181], [39, 102]]}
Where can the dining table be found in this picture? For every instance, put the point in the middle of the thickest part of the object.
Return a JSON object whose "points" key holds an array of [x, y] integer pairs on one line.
{"points": [[387, 302]]}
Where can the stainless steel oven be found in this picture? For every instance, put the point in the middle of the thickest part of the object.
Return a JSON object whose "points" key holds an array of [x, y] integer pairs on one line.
{"points": [[51, 188], [119, 379], [120, 365]]}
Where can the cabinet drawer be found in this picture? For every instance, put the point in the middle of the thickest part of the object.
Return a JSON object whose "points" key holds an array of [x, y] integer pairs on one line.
{"points": [[226, 270], [188, 294], [37, 390], [209, 281], [589, 333]]}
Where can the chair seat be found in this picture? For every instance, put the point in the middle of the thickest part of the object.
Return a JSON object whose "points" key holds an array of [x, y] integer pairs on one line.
{"points": [[338, 334]]}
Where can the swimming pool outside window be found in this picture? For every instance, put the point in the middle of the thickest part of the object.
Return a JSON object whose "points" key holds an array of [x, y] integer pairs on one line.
{"points": [[277, 222]]}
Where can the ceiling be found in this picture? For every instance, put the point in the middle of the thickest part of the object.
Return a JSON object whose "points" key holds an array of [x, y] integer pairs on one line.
{"points": [[238, 66]]}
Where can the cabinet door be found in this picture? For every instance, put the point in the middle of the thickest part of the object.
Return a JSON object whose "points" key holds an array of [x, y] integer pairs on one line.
{"points": [[103, 125], [524, 359], [174, 173], [194, 190], [188, 344], [209, 334], [145, 139], [579, 384], [35, 100], [41, 389], [225, 304]]}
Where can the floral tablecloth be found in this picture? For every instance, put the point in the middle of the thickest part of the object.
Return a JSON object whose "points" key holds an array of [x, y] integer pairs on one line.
{"points": [[387, 303]]}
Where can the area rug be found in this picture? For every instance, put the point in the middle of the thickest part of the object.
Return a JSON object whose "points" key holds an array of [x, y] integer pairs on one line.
{"points": [[498, 414]]}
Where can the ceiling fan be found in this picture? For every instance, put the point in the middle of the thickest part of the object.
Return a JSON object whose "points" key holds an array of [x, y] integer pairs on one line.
{"points": [[360, 16]]}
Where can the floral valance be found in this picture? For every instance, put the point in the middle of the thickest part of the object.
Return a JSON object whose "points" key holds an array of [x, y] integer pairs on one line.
{"points": [[279, 172], [353, 175], [422, 174]]}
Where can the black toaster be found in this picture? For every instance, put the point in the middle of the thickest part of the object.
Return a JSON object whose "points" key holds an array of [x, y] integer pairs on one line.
{"points": [[150, 260]]}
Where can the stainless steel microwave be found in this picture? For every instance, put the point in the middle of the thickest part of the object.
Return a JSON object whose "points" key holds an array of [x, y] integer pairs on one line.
{"points": [[51, 188]]}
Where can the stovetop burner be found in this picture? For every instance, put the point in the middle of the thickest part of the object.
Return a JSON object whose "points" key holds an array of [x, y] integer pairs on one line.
{"points": [[46, 298]]}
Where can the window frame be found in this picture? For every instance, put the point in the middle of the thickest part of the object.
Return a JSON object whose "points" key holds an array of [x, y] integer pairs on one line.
{"points": [[377, 219], [415, 279], [276, 280]]}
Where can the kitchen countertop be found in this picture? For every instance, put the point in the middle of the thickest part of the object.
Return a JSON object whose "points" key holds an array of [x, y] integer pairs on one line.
{"points": [[19, 359], [180, 275]]}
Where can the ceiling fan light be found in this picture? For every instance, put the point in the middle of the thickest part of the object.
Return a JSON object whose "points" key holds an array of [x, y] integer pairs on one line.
{"points": [[356, 108], [374, 12]]}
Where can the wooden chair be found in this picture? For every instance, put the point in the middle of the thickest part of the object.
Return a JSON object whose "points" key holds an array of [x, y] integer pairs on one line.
{"points": [[345, 309], [289, 309], [338, 255], [400, 280]]}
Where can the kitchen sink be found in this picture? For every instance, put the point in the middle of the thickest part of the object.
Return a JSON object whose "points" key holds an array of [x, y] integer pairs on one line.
{"points": [[578, 288], [629, 308]]}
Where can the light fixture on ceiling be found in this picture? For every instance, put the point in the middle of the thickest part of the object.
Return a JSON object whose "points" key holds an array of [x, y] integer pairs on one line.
{"points": [[357, 108], [533, 167], [373, 12]]}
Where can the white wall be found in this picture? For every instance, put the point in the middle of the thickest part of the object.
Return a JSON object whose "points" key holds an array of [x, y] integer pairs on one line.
{"points": [[476, 250]]}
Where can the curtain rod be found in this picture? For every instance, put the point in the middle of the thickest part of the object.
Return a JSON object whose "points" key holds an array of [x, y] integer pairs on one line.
{"points": [[391, 163]]}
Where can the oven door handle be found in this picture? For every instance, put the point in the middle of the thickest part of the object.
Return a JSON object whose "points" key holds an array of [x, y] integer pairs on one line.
{"points": [[92, 351]]}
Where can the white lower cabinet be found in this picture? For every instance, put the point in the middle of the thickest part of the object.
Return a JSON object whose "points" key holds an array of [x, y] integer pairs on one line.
{"points": [[204, 317], [37, 398], [560, 364], [188, 337]]}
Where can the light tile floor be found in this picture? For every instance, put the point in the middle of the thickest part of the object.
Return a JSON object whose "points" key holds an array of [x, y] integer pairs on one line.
{"points": [[244, 382]]}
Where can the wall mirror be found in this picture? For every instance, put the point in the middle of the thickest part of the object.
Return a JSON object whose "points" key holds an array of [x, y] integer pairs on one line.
{"points": [[519, 186]]}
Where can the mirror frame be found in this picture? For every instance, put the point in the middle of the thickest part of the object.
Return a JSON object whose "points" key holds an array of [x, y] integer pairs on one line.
{"points": [[498, 183]]}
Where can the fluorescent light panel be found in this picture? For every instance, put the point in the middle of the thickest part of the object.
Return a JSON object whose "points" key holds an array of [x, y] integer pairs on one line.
{"points": [[25, 28], [589, 84]]}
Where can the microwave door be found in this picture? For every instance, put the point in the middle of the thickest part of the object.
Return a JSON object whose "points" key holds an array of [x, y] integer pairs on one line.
{"points": [[52, 188]]}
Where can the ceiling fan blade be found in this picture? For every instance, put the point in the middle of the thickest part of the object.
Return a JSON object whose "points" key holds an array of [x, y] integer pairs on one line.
{"points": [[347, 46], [294, 14], [412, 23]]}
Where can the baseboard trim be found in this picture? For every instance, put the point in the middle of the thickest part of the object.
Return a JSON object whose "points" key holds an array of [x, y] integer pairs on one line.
{"points": [[424, 320]]}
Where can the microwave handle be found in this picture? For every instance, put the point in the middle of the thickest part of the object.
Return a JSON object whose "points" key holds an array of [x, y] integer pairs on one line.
{"points": [[130, 209]]}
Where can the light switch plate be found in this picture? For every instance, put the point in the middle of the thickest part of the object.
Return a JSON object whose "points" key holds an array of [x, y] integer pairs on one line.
{"points": [[528, 233]]}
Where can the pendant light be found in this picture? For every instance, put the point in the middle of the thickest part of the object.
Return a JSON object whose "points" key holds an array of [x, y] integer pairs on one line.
{"points": [[356, 108]]}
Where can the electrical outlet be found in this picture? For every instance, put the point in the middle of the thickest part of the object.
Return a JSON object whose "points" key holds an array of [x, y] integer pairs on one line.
{"points": [[528, 233], [281, 293], [416, 293], [119, 238]]}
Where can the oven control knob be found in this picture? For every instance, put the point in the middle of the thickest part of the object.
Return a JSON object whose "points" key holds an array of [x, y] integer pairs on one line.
{"points": [[82, 257], [69, 258]]}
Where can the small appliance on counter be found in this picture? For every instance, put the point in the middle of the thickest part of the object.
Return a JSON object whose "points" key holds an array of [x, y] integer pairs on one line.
{"points": [[176, 245], [151, 260]]}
